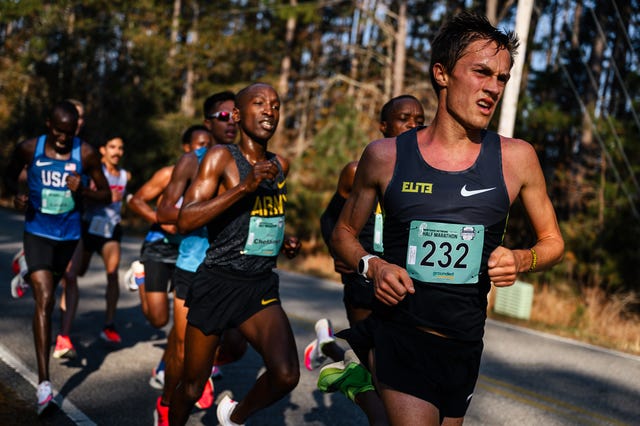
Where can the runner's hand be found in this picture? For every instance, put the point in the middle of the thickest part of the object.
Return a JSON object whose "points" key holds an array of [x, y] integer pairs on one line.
{"points": [[503, 268], [74, 182], [291, 247], [391, 282], [262, 170]]}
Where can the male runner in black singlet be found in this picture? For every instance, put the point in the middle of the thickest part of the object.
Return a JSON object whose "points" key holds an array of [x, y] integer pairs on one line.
{"points": [[240, 194], [397, 115], [446, 191]]}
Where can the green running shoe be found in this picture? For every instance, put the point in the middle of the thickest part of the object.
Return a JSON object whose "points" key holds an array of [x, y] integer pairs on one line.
{"points": [[350, 380]]}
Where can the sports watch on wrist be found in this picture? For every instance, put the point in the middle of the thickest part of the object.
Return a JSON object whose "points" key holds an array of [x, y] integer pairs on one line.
{"points": [[363, 265]]}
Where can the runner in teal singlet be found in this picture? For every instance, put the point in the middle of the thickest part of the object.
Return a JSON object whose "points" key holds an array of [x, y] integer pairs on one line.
{"points": [[446, 191]]}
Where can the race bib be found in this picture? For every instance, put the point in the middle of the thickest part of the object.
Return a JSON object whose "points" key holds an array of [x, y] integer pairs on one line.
{"points": [[101, 226], [266, 235], [57, 201], [444, 252], [377, 233]]}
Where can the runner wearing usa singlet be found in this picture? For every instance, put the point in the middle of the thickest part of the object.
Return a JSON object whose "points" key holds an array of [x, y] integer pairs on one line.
{"points": [[57, 165], [53, 210]]}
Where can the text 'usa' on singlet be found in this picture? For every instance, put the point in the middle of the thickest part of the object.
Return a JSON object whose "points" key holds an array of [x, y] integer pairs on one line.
{"points": [[442, 226], [248, 236], [53, 210], [103, 219], [194, 245]]}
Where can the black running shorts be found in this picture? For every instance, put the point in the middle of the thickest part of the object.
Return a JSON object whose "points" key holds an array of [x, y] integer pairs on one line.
{"points": [[436, 369], [45, 253], [358, 292], [182, 280], [219, 299], [159, 251], [158, 275], [94, 243]]}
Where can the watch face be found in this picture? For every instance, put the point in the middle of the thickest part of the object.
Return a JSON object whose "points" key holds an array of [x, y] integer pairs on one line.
{"points": [[361, 266]]}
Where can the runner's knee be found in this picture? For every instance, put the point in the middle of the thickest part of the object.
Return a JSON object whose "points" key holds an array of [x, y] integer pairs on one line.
{"points": [[285, 377]]}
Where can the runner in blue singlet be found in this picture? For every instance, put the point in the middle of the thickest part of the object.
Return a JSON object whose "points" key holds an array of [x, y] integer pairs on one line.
{"points": [[57, 165]]}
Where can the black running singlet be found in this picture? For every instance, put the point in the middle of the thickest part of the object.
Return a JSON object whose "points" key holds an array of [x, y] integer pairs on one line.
{"points": [[442, 226], [247, 237]]}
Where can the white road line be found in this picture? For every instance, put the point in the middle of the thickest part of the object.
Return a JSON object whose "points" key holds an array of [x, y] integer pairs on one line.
{"points": [[70, 410]]}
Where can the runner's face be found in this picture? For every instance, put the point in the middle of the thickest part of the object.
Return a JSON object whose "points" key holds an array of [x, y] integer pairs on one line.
{"points": [[405, 115], [62, 129], [112, 151], [200, 139], [260, 112], [224, 132], [476, 84]]}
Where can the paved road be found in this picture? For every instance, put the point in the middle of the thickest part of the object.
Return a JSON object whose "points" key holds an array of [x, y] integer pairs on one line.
{"points": [[527, 378]]}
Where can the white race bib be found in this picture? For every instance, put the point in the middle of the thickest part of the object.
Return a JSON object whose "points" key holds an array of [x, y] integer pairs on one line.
{"points": [[101, 226]]}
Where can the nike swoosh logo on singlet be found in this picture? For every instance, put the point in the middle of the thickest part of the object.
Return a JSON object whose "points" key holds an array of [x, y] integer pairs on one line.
{"points": [[468, 193], [41, 163], [266, 302], [281, 184]]}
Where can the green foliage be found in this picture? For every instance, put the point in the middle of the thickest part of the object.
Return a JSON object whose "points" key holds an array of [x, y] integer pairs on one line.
{"points": [[119, 59], [304, 207], [337, 143]]}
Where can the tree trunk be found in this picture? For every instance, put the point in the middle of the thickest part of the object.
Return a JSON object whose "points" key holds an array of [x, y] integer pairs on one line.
{"points": [[186, 102], [491, 10], [175, 27], [399, 61], [283, 81]]}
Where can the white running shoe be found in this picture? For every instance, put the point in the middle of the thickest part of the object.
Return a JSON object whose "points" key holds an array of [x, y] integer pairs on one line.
{"points": [[134, 277], [45, 396], [18, 287], [19, 269], [224, 410], [313, 356], [157, 379]]}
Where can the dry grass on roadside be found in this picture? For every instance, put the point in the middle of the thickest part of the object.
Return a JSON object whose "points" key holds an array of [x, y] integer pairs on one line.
{"points": [[591, 317], [318, 264]]}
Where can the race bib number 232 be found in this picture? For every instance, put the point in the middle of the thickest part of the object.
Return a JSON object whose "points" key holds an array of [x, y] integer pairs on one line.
{"points": [[444, 253]]}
